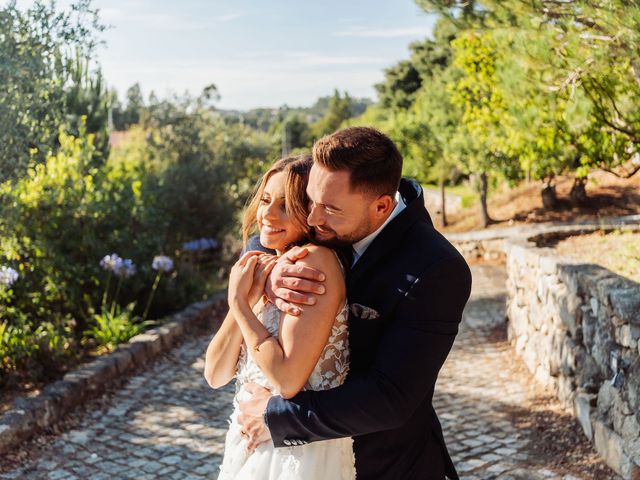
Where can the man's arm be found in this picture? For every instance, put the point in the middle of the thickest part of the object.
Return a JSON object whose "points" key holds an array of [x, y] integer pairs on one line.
{"points": [[410, 355]]}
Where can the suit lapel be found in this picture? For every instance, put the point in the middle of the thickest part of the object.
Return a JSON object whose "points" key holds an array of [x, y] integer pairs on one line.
{"points": [[388, 237]]}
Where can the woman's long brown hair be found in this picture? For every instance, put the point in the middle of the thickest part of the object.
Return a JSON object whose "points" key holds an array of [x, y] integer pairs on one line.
{"points": [[296, 201]]}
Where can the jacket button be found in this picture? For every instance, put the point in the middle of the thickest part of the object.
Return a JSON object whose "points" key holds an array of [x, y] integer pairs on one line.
{"points": [[287, 443]]}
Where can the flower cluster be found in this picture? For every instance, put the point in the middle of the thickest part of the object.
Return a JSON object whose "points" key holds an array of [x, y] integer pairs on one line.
{"points": [[201, 244], [127, 268], [162, 263], [8, 276], [121, 267]]}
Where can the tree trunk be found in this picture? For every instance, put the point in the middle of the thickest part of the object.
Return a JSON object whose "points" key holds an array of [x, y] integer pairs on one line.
{"points": [[549, 197], [578, 194], [485, 219], [443, 215]]}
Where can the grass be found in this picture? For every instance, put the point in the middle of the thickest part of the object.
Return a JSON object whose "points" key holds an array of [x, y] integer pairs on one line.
{"points": [[618, 251]]}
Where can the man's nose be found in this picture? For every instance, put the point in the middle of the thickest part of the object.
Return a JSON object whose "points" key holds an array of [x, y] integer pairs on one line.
{"points": [[314, 218]]}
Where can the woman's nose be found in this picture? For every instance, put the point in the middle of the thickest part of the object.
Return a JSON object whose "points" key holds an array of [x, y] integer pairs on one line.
{"points": [[270, 210]]}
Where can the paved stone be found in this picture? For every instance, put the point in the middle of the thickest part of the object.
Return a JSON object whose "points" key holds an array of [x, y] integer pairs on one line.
{"points": [[165, 422], [477, 394]]}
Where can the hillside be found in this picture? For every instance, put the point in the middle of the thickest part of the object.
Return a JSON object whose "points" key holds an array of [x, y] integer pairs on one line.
{"points": [[608, 195]]}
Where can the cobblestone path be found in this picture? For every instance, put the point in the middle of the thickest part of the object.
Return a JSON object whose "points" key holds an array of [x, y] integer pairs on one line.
{"points": [[166, 423]]}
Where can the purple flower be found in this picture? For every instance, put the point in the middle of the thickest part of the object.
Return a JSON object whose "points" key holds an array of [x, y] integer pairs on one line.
{"points": [[126, 268], [111, 262], [162, 263], [8, 276]]}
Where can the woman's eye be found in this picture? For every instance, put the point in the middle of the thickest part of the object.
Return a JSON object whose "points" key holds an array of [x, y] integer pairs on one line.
{"points": [[264, 200]]}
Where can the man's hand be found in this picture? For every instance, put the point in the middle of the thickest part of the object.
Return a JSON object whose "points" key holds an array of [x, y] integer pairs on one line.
{"points": [[251, 420], [290, 286]]}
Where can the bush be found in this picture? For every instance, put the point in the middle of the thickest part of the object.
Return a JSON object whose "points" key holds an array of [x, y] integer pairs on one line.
{"points": [[163, 187]]}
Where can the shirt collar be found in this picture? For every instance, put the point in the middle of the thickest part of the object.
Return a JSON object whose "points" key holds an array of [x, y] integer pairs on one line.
{"points": [[360, 246]]}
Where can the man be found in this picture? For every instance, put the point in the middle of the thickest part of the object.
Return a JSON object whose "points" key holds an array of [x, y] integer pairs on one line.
{"points": [[407, 288]]}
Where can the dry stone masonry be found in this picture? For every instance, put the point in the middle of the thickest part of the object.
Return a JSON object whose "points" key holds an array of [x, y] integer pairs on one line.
{"points": [[577, 328]]}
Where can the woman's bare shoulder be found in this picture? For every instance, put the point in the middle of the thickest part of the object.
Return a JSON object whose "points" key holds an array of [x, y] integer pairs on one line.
{"points": [[324, 259], [320, 256]]}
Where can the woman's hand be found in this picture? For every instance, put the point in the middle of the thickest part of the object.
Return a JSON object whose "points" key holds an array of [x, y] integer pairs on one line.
{"points": [[248, 276], [261, 272]]}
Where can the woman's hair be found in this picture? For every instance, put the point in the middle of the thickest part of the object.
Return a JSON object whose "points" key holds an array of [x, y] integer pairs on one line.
{"points": [[296, 202]]}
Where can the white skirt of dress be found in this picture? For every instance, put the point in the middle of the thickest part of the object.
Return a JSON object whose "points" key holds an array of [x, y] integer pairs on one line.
{"points": [[325, 460]]}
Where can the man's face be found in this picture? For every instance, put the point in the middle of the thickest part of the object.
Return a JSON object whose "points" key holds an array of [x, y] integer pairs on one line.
{"points": [[339, 216]]}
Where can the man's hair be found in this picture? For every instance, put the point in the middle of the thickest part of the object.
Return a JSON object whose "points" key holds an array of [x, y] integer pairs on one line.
{"points": [[373, 160]]}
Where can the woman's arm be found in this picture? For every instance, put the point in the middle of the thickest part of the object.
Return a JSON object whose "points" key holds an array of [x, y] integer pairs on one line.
{"points": [[289, 361], [222, 353], [224, 349]]}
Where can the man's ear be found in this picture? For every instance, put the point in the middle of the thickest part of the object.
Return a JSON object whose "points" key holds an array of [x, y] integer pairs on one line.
{"points": [[384, 205]]}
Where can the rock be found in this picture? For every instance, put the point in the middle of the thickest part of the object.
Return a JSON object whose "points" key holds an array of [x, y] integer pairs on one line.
{"points": [[610, 446], [568, 349], [582, 412], [102, 370], [588, 374], [548, 264], [630, 429], [633, 387], [588, 329], [627, 335], [607, 396], [568, 307], [152, 342], [626, 304]]}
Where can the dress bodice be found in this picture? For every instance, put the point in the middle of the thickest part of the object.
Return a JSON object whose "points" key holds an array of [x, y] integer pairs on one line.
{"points": [[331, 369]]}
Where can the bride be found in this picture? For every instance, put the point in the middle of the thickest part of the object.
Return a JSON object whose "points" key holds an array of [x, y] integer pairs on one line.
{"points": [[258, 343]]}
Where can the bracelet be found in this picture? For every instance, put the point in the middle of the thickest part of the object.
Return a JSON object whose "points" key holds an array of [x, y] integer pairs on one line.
{"points": [[256, 348]]}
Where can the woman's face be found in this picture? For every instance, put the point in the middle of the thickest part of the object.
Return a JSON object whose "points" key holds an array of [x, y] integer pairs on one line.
{"points": [[276, 230]]}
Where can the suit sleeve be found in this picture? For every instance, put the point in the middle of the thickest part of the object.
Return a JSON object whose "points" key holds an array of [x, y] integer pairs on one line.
{"points": [[253, 243], [410, 355]]}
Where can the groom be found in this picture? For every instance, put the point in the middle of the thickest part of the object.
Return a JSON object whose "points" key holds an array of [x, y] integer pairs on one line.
{"points": [[407, 287]]}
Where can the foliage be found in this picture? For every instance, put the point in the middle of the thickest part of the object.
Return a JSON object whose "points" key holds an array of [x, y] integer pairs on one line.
{"points": [[39, 50], [183, 176], [339, 110], [113, 327]]}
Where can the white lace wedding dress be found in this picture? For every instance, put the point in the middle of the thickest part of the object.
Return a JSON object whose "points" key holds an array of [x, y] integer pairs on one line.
{"points": [[329, 459]]}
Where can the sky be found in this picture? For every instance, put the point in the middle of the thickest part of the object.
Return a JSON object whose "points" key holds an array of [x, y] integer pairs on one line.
{"points": [[258, 54]]}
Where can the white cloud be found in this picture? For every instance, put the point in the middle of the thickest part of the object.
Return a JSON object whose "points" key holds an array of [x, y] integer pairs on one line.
{"points": [[314, 59], [229, 17], [110, 14], [245, 85], [363, 32]]}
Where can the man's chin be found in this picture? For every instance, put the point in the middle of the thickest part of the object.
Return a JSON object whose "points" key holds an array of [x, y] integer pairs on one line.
{"points": [[328, 240]]}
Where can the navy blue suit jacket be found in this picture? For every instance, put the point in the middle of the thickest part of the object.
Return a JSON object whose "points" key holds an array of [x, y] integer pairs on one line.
{"points": [[419, 284]]}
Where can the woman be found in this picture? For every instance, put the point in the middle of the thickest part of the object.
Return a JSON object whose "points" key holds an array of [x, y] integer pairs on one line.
{"points": [[258, 343]]}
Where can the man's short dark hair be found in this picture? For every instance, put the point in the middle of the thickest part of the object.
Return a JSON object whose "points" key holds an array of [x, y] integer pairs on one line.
{"points": [[369, 155]]}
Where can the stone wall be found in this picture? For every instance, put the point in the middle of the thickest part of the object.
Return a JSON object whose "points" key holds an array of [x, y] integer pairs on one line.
{"points": [[577, 327]]}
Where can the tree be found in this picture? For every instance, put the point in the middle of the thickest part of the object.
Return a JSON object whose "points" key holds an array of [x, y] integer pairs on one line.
{"points": [[485, 135], [87, 102], [402, 81], [339, 110], [583, 52], [38, 48]]}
